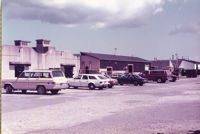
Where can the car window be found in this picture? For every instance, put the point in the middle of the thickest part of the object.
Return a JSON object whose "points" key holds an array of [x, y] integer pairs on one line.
{"points": [[92, 77], [78, 77], [35, 75], [85, 77], [24, 75], [107, 76], [45, 75], [145, 72], [157, 72], [137, 76], [57, 74]]}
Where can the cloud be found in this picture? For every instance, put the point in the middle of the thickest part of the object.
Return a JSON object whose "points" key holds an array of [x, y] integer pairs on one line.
{"points": [[192, 28], [98, 13]]}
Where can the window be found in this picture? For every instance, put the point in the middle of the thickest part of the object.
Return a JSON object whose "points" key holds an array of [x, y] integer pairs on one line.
{"points": [[24, 75], [45, 75], [101, 77], [85, 77], [146, 72], [78, 77], [35, 75], [157, 72], [92, 77], [146, 67], [57, 73]]}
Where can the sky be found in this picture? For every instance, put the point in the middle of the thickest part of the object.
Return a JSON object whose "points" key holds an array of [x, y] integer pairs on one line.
{"points": [[141, 28]]}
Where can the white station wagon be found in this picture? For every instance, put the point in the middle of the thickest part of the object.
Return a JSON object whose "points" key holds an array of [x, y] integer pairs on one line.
{"points": [[39, 80], [89, 80]]}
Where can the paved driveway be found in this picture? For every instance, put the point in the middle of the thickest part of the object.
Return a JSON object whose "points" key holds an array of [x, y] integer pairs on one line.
{"points": [[171, 107]]}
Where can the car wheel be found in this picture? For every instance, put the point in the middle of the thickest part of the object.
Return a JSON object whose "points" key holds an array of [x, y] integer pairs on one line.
{"points": [[110, 86], [8, 89], [91, 86], [24, 91], [75, 87], [135, 83], [121, 84], [54, 91], [159, 80], [41, 90]]}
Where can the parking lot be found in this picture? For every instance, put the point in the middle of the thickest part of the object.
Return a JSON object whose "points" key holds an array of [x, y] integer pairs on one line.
{"points": [[171, 107]]}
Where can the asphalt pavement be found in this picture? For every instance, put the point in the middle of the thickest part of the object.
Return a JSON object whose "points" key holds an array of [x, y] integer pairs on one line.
{"points": [[171, 107]]}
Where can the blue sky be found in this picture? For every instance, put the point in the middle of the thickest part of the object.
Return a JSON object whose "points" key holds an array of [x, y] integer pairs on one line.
{"points": [[140, 28]]}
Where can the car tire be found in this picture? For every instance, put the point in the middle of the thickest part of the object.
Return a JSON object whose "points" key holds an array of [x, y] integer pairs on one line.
{"points": [[110, 86], [135, 83], [75, 87], [54, 91], [8, 89], [159, 80], [163, 81], [121, 84], [24, 91], [91, 86], [41, 90]]}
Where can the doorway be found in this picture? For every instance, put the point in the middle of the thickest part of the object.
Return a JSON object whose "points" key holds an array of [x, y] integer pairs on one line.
{"points": [[109, 71], [68, 71], [18, 70], [130, 68]]}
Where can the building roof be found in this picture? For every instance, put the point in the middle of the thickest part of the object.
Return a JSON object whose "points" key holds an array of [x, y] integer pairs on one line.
{"points": [[160, 63], [115, 57]]}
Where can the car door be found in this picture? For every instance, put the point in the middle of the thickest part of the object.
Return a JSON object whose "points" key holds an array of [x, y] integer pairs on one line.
{"points": [[22, 81], [76, 81], [34, 80], [122, 80], [84, 81]]}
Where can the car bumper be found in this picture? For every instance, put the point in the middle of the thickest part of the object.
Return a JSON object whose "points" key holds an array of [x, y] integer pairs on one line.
{"points": [[60, 86]]}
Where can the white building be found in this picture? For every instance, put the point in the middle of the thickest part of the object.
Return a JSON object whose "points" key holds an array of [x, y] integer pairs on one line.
{"points": [[21, 56]]}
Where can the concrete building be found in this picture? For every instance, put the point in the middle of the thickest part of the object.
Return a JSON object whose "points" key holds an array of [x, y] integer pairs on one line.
{"points": [[110, 64], [21, 56]]}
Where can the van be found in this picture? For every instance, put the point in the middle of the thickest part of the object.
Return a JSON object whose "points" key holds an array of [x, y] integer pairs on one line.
{"points": [[161, 76]]}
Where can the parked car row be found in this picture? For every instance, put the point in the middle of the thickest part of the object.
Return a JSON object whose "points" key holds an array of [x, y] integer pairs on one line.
{"points": [[43, 81]]}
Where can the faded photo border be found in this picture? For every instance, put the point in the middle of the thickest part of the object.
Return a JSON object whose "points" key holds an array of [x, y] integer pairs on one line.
{"points": [[0, 62]]}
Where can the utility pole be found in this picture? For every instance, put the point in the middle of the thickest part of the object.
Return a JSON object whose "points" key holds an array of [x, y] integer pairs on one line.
{"points": [[176, 60]]}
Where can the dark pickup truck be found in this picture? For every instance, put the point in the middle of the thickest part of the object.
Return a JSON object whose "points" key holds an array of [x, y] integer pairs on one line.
{"points": [[161, 76], [189, 73]]}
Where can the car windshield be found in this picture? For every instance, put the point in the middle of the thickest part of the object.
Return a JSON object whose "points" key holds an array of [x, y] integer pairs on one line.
{"points": [[101, 77], [107, 76], [57, 74]]}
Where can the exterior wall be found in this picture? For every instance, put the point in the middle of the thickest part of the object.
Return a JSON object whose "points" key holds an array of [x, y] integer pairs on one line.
{"points": [[186, 65], [52, 59], [87, 60], [121, 65]]}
